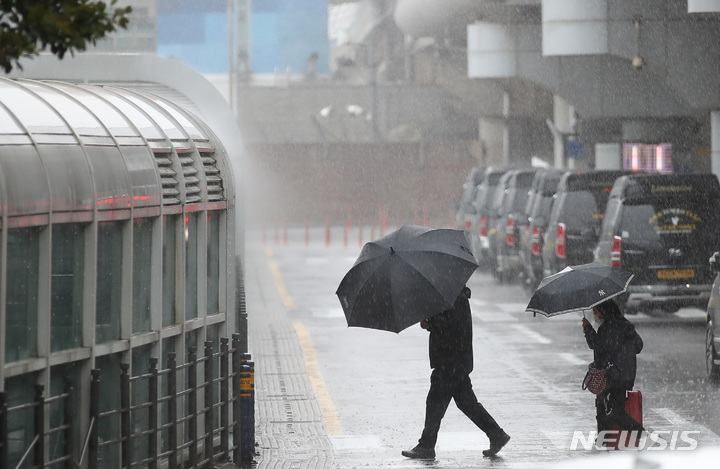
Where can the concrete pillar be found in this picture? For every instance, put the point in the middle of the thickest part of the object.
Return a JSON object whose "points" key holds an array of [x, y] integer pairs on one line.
{"points": [[493, 137], [715, 141], [563, 120], [608, 156]]}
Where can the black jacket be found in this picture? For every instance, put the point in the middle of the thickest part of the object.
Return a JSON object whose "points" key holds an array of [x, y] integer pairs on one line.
{"points": [[451, 337], [616, 341]]}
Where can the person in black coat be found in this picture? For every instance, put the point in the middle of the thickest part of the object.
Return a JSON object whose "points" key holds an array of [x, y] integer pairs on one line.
{"points": [[616, 342], [451, 358]]}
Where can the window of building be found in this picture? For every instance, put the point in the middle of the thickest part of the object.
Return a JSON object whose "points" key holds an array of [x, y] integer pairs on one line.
{"points": [[109, 426], [109, 281], [142, 251], [169, 269], [20, 427], [68, 244], [62, 376], [140, 394], [191, 265], [213, 263], [22, 293]]}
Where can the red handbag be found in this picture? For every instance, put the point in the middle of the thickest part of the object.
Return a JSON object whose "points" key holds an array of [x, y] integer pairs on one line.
{"points": [[594, 379]]}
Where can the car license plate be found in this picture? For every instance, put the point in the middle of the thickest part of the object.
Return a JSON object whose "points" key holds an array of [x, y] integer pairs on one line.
{"points": [[676, 273]]}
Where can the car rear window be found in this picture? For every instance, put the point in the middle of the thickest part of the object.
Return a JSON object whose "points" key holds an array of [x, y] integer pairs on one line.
{"points": [[584, 209], [666, 222]]}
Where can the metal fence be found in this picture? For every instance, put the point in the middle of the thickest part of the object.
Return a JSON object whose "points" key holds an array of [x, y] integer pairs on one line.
{"points": [[177, 421]]}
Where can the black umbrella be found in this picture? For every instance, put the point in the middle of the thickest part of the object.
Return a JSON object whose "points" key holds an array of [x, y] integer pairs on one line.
{"points": [[577, 288], [407, 276]]}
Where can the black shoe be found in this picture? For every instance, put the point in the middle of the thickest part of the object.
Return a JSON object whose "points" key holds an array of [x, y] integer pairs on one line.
{"points": [[497, 444], [419, 452]]}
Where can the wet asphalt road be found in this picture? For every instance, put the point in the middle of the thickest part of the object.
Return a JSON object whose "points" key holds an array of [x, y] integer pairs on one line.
{"points": [[371, 384]]}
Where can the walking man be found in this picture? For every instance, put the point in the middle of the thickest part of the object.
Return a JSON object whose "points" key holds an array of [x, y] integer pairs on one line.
{"points": [[451, 358]]}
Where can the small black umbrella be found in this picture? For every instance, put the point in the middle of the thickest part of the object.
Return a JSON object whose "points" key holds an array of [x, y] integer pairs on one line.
{"points": [[407, 276], [577, 288]]}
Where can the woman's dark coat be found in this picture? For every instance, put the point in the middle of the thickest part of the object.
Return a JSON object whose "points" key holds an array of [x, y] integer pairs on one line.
{"points": [[616, 341], [451, 337]]}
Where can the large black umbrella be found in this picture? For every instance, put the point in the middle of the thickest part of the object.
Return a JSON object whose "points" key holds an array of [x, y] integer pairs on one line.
{"points": [[577, 288], [407, 276]]}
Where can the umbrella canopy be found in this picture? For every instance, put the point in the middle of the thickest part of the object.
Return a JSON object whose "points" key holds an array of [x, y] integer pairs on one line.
{"points": [[407, 276], [577, 288]]}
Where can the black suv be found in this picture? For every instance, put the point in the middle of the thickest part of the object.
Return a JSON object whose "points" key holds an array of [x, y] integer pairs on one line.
{"points": [[478, 237], [575, 220], [511, 206], [712, 333], [663, 228], [532, 227]]}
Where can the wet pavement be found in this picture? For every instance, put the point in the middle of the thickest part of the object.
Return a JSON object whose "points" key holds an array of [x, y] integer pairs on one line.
{"points": [[329, 396]]}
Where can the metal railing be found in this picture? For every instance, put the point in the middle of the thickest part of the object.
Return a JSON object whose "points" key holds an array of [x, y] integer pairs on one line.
{"points": [[203, 414]]}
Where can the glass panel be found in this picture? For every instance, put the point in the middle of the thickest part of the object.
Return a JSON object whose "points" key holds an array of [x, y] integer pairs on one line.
{"points": [[213, 263], [170, 129], [79, 118], [19, 390], [68, 244], [109, 281], [60, 377], [109, 426], [191, 267], [22, 294], [139, 421], [139, 119], [32, 112], [169, 268], [142, 251], [8, 124], [168, 346]]}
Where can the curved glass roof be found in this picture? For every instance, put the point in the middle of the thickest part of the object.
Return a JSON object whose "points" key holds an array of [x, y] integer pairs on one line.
{"points": [[67, 148]]}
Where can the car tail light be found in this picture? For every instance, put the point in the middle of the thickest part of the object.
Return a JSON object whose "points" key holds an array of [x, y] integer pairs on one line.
{"points": [[615, 254], [560, 241], [483, 227], [510, 233], [468, 222], [536, 241]]}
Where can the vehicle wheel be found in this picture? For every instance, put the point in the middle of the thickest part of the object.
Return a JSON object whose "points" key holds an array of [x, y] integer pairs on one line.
{"points": [[713, 370]]}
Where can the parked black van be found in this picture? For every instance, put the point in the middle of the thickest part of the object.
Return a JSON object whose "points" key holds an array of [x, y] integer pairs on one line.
{"points": [[663, 228], [537, 216], [576, 217], [510, 206], [478, 236]]}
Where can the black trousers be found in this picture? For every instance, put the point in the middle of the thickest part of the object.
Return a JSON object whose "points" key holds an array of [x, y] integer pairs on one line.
{"points": [[445, 386], [610, 407]]}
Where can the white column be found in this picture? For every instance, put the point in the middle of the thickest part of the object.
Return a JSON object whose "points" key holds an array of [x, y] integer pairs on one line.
{"points": [[608, 156], [563, 116], [715, 141], [492, 134]]}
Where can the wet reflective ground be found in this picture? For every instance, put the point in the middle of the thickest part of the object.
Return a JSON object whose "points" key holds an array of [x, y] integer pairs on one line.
{"points": [[370, 386]]}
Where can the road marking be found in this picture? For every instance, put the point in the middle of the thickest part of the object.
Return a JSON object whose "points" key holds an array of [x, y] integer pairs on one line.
{"points": [[280, 284], [540, 339], [572, 358], [331, 419], [328, 313], [682, 424], [355, 442]]}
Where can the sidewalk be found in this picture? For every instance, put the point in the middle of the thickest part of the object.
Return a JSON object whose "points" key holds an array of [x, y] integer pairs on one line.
{"points": [[288, 423]]}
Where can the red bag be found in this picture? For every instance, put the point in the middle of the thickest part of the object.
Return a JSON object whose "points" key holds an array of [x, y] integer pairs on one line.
{"points": [[633, 407], [594, 380]]}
